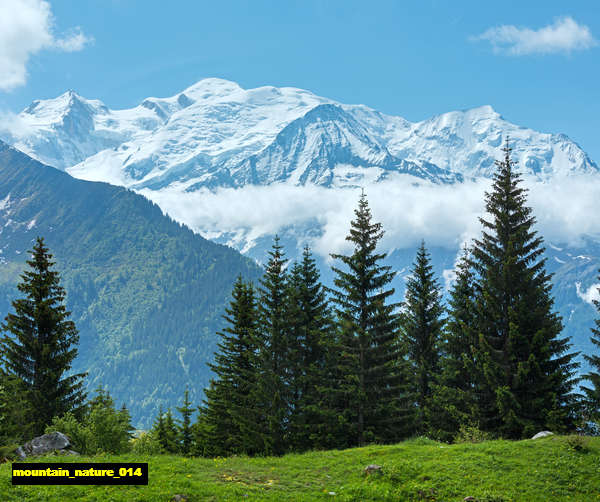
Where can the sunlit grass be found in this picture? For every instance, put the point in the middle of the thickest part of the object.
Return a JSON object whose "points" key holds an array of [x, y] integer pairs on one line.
{"points": [[417, 470]]}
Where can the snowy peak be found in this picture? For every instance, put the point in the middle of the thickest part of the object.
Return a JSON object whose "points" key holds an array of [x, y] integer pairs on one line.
{"points": [[470, 141], [215, 133], [53, 111]]}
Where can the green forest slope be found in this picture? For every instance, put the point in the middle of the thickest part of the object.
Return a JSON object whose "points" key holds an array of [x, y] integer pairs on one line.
{"points": [[147, 294]]}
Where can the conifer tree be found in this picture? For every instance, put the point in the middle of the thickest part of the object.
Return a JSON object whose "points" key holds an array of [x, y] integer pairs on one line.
{"points": [[421, 324], [592, 390], [311, 329], [165, 431], [453, 402], [227, 423], [273, 391], [40, 342], [525, 370], [370, 377], [184, 426]]}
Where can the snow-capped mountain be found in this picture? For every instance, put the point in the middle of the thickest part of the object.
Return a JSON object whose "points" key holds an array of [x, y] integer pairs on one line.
{"points": [[216, 134]]}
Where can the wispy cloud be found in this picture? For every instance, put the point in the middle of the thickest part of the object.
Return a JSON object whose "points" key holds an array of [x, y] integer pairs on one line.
{"points": [[26, 28], [564, 35]]}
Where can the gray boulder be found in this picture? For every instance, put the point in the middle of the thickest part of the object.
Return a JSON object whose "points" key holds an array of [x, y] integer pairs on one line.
{"points": [[371, 468], [48, 443], [543, 434]]}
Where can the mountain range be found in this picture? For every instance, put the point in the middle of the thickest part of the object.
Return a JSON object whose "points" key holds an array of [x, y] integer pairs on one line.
{"points": [[216, 149], [216, 134]]}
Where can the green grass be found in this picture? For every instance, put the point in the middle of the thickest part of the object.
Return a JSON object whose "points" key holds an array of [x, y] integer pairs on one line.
{"points": [[418, 470]]}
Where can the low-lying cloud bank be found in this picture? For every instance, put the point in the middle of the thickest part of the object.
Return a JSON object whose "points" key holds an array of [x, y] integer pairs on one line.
{"points": [[443, 215]]}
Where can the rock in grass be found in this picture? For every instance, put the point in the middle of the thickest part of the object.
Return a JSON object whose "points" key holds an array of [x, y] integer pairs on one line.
{"points": [[53, 442], [469, 499], [179, 498], [543, 434], [371, 468]]}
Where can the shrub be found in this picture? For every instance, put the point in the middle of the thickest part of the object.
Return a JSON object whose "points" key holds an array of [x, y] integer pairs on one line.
{"points": [[471, 434], [146, 444], [578, 443], [102, 428]]}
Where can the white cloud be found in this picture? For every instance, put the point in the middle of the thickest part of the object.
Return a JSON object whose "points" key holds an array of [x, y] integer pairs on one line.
{"points": [[27, 27], [565, 35], [73, 42], [590, 294], [443, 215]]}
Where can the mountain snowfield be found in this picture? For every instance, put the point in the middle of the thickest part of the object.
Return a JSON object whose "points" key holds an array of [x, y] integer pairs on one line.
{"points": [[216, 134], [240, 165]]}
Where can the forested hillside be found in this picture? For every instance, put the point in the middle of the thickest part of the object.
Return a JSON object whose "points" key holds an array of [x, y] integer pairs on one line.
{"points": [[147, 294]]}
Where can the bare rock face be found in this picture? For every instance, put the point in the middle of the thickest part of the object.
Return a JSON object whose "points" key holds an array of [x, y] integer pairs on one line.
{"points": [[55, 441], [543, 434]]}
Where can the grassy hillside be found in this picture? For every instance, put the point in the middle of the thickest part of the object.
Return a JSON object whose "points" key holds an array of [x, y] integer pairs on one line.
{"points": [[549, 469], [146, 293]]}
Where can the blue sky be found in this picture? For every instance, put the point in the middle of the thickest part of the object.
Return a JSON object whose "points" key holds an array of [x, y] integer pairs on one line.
{"points": [[414, 59]]}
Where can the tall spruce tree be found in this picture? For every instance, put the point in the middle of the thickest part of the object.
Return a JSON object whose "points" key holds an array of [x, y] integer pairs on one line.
{"points": [[421, 324], [40, 343], [226, 424], [311, 331], [525, 370], [273, 389], [370, 378], [453, 402], [592, 389]]}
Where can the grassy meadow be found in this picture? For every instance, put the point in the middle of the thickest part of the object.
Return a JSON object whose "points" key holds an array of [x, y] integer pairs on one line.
{"points": [[553, 468]]}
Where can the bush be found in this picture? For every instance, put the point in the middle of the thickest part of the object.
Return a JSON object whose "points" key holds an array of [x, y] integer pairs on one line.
{"points": [[471, 434], [146, 444], [578, 443], [102, 429], [80, 435]]}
